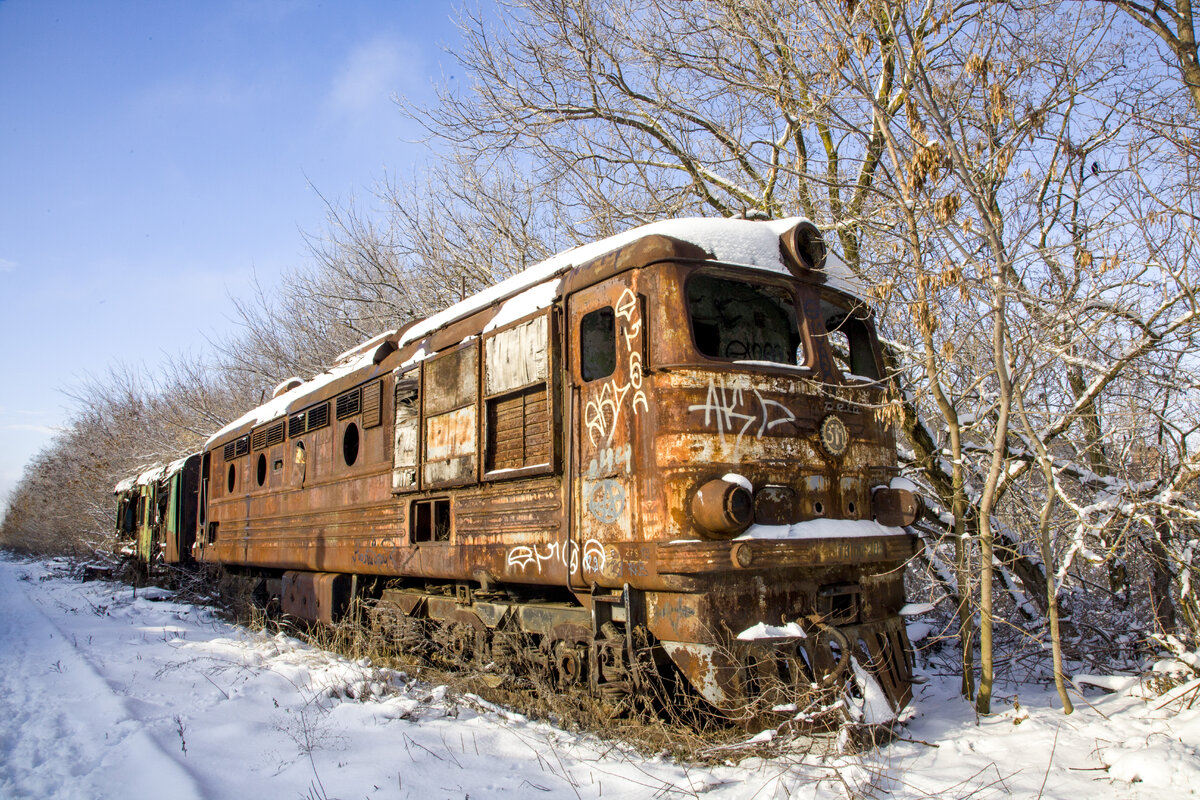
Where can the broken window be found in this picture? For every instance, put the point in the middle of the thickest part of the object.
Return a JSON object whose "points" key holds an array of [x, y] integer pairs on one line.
{"points": [[299, 460], [350, 442], [849, 337], [407, 432], [742, 321], [430, 520]]}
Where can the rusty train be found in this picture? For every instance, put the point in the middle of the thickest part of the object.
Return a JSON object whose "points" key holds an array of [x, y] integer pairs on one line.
{"points": [[657, 452]]}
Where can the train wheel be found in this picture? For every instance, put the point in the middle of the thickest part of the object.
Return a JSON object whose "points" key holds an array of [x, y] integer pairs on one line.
{"points": [[570, 660]]}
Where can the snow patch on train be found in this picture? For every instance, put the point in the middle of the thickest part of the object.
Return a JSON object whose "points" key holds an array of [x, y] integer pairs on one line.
{"points": [[822, 529]]}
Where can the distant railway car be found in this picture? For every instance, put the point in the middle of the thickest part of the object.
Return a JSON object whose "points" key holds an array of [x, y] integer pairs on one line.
{"points": [[156, 513], [659, 448]]}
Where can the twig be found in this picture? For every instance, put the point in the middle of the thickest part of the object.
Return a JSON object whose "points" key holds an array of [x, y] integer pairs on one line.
{"points": [[1046, 774]]}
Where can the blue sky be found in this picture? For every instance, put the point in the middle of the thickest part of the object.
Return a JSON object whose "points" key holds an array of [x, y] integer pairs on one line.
{"points": [[156, 155]]}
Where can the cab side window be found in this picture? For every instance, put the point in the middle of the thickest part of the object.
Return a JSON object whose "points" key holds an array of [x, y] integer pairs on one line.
{"points": [[597, 344]]}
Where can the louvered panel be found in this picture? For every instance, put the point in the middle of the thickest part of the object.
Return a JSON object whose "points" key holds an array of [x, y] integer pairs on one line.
{"points": [[258, 439], [372, 404], [296, 424], [318, 417], [349, 403], [274, 434], [238, 447], [518, 430]]}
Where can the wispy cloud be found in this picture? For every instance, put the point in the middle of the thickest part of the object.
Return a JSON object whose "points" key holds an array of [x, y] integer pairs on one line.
{"points": [[370, 75], [20, 426], [6, 265]]}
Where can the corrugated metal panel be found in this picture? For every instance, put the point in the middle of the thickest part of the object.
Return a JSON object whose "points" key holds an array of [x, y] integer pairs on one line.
{"points": [[349, 403], [318, 417], [238, 447]]}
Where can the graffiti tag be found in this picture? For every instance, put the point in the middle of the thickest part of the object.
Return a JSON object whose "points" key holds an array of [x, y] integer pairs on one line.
{"points": [[736, 411], [601, 414], [522, 557]]}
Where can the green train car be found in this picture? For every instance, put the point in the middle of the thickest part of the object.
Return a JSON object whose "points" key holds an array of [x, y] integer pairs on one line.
{"points": [[156, 513]]}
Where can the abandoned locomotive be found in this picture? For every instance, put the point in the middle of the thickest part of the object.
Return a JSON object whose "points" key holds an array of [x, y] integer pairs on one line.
{"points": [[661, 448]]}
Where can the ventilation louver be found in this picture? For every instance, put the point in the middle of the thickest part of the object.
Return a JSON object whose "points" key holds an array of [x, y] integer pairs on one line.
{"points": [[372, 404], [237, 448], [318, 417], [349, 403]]}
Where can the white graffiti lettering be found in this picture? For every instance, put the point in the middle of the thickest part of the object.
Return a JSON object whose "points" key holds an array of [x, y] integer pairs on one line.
{"points": [[735, 411], [601, 414], [523, 556]]}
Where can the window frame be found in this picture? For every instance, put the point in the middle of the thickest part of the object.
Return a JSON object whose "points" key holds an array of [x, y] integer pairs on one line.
{"points": [[754, 278], [550, 394]]}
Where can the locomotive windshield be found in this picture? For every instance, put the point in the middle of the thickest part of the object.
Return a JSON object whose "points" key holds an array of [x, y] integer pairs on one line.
{"points": [[743, 321], [849, 338]]}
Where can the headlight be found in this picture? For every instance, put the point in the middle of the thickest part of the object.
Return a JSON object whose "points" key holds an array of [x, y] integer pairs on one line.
{"points": [[722, 509]]}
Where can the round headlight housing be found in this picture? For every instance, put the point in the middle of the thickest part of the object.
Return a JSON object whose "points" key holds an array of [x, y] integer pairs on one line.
{"points": [[722, 509]]}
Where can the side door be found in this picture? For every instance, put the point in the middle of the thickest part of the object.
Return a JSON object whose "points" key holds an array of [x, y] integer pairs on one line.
{"points": [[607, 331]]}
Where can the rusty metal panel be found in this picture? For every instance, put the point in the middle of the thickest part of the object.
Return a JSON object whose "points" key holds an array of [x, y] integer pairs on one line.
{"points": [[315, 596], [510, 514], [608, 416], [543, 618], [517, 356], [451, 380], [450, 447], [701, 557]]}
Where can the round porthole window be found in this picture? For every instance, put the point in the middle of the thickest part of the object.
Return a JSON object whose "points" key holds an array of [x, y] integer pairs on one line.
{"points": [[350, 444], [262, 468], [232, 477]]}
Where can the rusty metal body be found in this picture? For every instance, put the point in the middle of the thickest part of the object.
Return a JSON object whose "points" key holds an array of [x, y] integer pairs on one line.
{"points": [[529, 462]]}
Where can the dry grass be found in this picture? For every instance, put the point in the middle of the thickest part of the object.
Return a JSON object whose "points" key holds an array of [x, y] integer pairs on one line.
{"points": [[663, 717]]}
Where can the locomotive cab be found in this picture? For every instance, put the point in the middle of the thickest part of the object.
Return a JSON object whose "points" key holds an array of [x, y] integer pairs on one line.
{"points": [[733, 467]]}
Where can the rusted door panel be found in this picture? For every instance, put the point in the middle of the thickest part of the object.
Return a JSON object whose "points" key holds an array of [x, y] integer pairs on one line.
{"points": [[610, 412]]}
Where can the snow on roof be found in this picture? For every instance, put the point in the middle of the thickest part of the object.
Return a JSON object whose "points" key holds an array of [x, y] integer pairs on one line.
{"points": [[732, 241], [524, 304], [284, 385], [176, 465], [279, 405], [369, 344], [153, 474]]}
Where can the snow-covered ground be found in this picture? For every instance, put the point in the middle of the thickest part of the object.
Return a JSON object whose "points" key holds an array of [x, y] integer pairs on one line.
{"points": [[104, 695]]}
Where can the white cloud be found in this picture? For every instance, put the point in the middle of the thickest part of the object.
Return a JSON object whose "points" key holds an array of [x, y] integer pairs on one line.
{"points": [[370, 75], [20, 426], [6, 265]]}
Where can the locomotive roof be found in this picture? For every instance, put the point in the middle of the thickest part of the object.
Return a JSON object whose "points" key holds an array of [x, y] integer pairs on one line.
{"points": [[747, 243]]}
